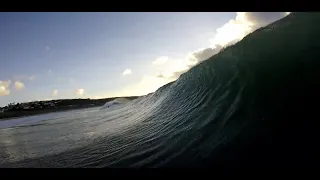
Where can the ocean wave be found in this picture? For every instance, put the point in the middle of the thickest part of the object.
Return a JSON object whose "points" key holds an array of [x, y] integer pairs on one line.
{"points": [[233, 109]]}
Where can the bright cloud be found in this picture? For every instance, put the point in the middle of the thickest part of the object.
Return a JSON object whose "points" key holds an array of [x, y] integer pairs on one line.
{"points": [[126, 72], [19, 85], [235, 29], [230, 33], [47, 48], [79, 92], [55, 92], [160, 60], [4, 88], [167, 71]]}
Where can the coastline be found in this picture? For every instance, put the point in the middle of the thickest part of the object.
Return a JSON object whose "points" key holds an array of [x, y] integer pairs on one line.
{"points": [[67, 105], [13, 115]]}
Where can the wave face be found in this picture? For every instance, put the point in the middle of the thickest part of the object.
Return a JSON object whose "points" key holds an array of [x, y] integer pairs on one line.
{"points": [[247, 105]]}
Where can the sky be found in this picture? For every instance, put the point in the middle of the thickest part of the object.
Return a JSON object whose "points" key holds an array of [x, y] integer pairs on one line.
{"points": [[59, 55]]}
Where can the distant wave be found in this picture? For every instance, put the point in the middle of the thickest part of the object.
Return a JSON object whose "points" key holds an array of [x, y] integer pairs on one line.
{"points": [[115, 102]]}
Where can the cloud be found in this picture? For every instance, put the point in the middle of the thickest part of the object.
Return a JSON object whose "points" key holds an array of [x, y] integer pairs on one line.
{"points": [[203, 54], [126, 72], [259, 19], [160, 60], [175, 75], [47, 48], [49, 71], [4, 88], [19, 85], [55, 92], [177, 67], [79, 92], [160, 76], [230, 33], [243, 24], [233, 30]]}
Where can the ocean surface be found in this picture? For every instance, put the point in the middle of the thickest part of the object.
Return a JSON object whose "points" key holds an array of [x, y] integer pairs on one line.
{"points": [[253, 104]]}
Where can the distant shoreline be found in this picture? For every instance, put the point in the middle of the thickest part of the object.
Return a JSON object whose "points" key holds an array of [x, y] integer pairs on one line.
{"points": [[13, 115], [66, 105]]}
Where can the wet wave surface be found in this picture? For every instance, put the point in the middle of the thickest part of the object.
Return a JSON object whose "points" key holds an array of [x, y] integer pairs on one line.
{"points": [[237, 107]]}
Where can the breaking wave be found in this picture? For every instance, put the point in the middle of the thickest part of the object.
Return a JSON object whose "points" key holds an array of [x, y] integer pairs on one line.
{"points": [[246, 105]]}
